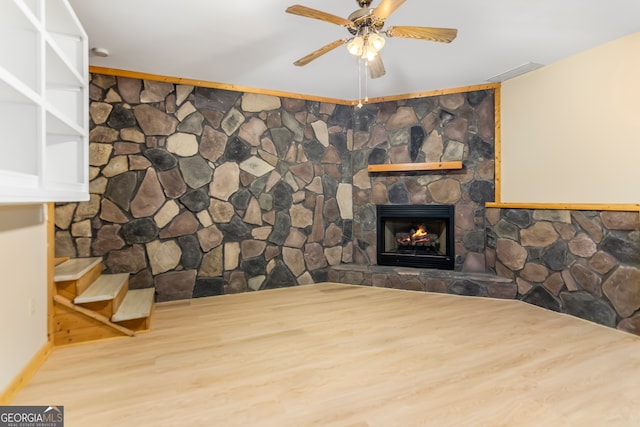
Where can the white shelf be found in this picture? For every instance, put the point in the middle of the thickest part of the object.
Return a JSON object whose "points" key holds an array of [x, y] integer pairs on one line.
{"points": [[70, 48], [61, 19], [13, 90], [57, 124], [43, 102], [34, 7], [66, 36], [68, 149], [20, 41], [59, 71], [21, 124]]}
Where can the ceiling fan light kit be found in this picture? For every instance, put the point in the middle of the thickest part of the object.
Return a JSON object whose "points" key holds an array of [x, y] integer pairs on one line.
{"points": [[366, 46], [365, 24]]}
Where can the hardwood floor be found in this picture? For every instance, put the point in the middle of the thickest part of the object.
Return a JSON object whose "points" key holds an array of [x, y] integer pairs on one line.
{"points": [[340, 355]]}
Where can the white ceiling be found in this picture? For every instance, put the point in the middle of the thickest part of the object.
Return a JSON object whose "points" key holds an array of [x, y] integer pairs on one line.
{"points": [[254, 44]]}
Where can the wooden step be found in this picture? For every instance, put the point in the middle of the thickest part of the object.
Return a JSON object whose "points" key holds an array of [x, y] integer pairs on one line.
{"points": [[74, 276], [105, 294], [60, 260], [137, 304], [105, 288], [75, 268]]}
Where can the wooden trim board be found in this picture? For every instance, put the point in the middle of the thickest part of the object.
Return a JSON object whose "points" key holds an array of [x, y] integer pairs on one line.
{"points": [[25, 375], [567, 206], [497, 165], [212, 85], [414, 167], [93, 315], [226, 86], [51, 265], [438, 92]]}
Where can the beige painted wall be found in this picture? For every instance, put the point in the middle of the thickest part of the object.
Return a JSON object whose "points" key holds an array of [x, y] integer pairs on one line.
{"points": [[571, 130], [23, 278]]}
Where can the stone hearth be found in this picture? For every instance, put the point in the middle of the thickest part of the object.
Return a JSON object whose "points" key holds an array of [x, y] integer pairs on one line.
{"points": [[425, 280]]}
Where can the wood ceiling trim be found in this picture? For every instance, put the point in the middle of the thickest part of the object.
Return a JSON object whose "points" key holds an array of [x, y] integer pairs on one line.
{"points": [[237, 88]]}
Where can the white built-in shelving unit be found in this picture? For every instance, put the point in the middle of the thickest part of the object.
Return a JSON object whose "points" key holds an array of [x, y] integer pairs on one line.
{"points": [[43, 103]]}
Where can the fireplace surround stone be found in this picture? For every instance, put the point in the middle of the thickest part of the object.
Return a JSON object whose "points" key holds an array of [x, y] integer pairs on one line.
{"points": [[457, 127]]}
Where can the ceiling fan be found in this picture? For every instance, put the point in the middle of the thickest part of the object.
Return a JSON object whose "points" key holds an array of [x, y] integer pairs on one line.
{"points": [[365, 24]]}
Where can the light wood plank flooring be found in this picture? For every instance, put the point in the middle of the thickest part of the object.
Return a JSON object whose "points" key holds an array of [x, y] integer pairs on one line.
{"points": [[340, 355]]}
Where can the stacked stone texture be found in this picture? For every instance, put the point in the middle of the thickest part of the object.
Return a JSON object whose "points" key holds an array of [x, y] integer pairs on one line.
{"points": [[583, 263], [455, 127], [200, 191]]}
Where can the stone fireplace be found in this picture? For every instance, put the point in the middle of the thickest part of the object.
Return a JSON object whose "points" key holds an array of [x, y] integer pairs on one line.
{"points": [[454, 127], [416, 236]]}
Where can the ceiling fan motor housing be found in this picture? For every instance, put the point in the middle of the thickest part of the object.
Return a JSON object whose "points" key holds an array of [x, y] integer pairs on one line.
{"points": [[364, 18]]}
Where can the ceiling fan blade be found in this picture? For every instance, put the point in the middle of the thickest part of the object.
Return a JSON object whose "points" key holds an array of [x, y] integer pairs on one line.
{"points": [[317, 14], [315, 54], [444, 35], [387, 7], [376, 67]]}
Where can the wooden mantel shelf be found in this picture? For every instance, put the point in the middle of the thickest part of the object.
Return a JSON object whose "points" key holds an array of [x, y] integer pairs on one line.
{"points": [[412, 167]]}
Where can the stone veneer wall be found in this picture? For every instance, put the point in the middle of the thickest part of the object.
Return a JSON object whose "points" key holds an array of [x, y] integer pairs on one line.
{"points": [[583, 263], [201, 191], [451, 127]]}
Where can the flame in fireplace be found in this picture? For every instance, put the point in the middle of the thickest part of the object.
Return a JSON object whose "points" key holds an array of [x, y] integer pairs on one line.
{"points": [[418, 236], [420, 232]]}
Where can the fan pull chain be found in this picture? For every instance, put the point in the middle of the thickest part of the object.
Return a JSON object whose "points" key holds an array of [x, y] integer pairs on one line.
{"points": [[359, 82], [366, 81]]}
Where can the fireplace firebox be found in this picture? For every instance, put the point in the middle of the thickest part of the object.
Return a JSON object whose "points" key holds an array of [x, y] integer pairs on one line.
{"points": [[416, 236]]}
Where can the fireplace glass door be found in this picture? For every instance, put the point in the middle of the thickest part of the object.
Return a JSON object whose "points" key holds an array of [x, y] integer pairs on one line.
{"points": [[416, 236]]}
